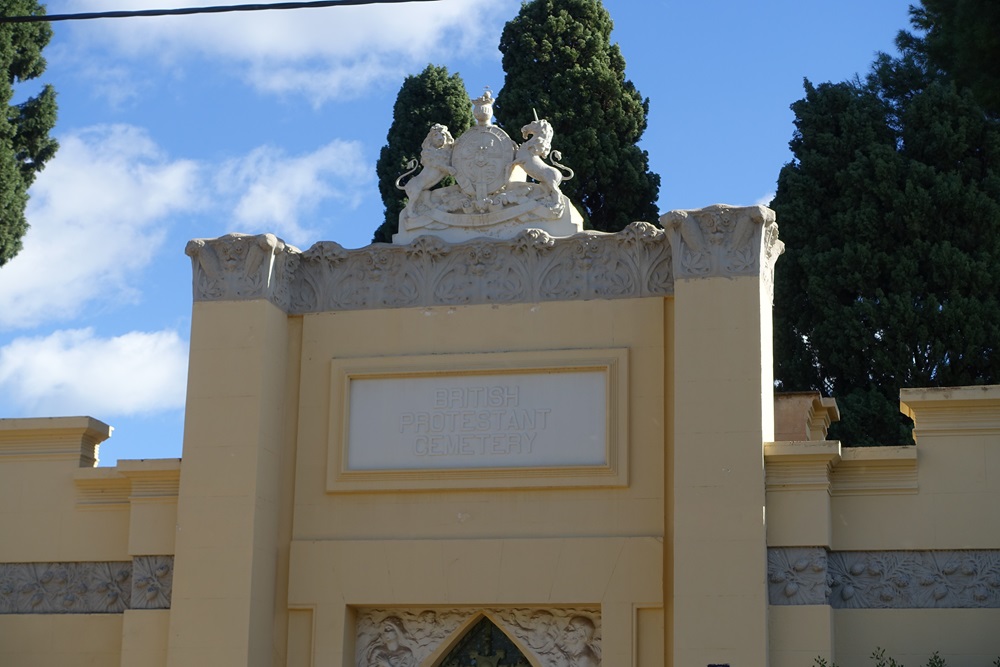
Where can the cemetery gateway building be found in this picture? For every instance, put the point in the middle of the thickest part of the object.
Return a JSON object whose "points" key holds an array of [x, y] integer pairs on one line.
{"points": [[501, 440]]}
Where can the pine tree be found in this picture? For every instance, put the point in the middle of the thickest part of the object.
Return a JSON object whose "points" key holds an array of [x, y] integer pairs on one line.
{"points": [[890, 213], [25, 145], [433, 96], [559, 62]]}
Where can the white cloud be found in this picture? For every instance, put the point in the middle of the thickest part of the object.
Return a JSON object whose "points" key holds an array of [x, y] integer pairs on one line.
{"points": [[94, 214], [324, 53], [275, 192], [74, 372], [765, 200]]}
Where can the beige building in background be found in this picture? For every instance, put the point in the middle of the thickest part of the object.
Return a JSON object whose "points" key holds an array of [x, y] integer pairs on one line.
{"points": [[570, 442]]}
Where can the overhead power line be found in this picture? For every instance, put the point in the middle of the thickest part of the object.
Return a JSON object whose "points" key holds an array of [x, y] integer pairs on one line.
{"points": [[184, 11]]}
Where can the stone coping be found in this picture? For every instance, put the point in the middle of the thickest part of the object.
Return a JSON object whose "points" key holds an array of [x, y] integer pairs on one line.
{"points": [[33, 437]]}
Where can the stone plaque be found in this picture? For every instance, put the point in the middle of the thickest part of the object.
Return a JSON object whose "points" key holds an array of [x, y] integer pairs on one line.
{"points": [[495, 420], [540, 418]]}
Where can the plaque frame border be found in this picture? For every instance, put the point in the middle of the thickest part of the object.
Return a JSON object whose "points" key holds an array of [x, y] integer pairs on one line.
{"points": [[613, 362]]}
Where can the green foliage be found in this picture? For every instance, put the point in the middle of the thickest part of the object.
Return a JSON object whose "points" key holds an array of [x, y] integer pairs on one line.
{"points": [[559, 61], [879, 658], [936, 661], [961, 41], [25, 145], [433, 96], [890, 212]]}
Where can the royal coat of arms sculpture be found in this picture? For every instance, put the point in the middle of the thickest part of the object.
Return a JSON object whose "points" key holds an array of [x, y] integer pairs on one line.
{"points": [[501, 188]]}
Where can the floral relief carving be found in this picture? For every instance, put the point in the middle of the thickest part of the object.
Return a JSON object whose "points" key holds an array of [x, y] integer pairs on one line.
{"points": [[238, 267], [529, 268], [915, 579], [797, 576], [723, 240], [152, 582], [884, 579], [557, 637], [83, 588]]}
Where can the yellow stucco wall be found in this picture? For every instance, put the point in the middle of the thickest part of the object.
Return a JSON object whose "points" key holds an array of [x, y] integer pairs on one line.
{"points": [[698, 541], [522, 546]]}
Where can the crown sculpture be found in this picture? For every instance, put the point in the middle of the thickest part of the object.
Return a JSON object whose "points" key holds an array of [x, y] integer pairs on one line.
{"points": [[492, 196]]}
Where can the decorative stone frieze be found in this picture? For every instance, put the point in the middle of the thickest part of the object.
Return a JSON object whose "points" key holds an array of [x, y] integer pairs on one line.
{"points": [[884, 579], [86, 588], [554, 636], [723, 240], [641, 260], [241, 267], [152, 582], [531, 268], [797, 575]]}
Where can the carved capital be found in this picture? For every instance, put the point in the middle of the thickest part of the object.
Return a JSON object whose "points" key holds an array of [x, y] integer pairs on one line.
{"points": [[725, 241], [242, 267]]}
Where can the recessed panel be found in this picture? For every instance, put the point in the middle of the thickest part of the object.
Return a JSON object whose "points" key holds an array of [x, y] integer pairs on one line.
{"points": [[496, 420]]}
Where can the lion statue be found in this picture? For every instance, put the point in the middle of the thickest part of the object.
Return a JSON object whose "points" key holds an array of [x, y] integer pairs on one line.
{"points": [[435, 157]]}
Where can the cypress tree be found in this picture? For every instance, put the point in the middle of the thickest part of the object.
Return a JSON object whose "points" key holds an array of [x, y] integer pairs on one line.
{"points": [[961, 41], [559, 62], [433, 96], [25, 145], [890, 213]]}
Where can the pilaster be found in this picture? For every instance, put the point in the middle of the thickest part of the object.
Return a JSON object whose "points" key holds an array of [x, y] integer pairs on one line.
{"points": [[723, 407], [229, 504]]}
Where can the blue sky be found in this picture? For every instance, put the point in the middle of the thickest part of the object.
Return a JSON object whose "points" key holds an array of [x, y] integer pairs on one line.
{"points": [[175, 128]]}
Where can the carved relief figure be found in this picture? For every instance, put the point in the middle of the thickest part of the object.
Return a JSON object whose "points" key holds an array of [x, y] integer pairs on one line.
{"points": [[435, 157], [577, 643], [389, 648], [532, 154]]}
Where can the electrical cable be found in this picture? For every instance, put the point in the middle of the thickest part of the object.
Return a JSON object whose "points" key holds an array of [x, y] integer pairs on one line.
{"points": [[185, 11]]}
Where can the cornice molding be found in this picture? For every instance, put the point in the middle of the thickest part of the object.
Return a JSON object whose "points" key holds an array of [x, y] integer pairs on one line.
{"points": [[639, 261], [841, 471], [53, 437]]}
